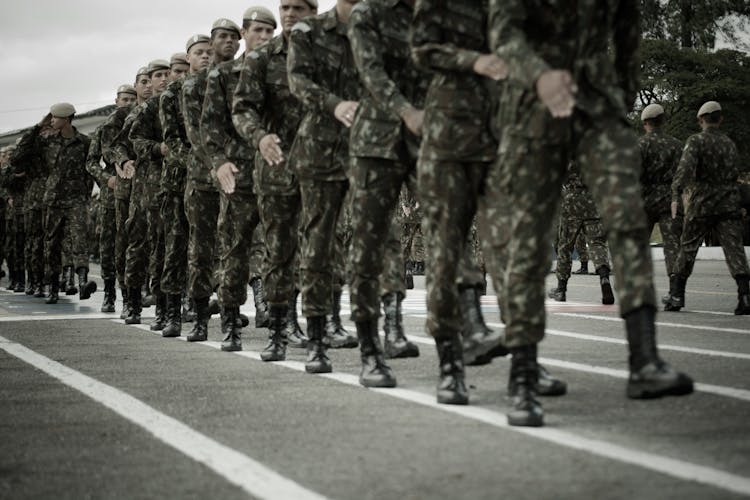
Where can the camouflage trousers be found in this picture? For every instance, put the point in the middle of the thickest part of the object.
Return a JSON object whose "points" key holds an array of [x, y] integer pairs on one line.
{"points": [[107, 237], [341, 270], [568, 231], [471, 265], [728, 228], [18, 242], [34, 248], [322, 206], [376, 185], [238, 219], [392, 279], [57, 223], [156, 239], [202, 210], [529, 171], [581, 247], [257, 253], [671, 230], [136, 257], [176, 229], [279, 216], [448, 194], [121, 239]]}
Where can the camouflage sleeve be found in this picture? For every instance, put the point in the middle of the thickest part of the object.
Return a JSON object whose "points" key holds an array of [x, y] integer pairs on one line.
{"points": [[249, 99], [685, 174], [301, 70], [93, 166], [428, 49], [192, 107], [508, 40], [143, 134], [27, 150], [109, 132], [367, 48], [169, 117], [627, 41], [121, 150], [214, 106]]}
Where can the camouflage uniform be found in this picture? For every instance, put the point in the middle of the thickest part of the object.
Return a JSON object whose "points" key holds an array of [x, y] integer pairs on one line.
{"points": [[660, 154], [708, 173], [16, 235], [107, 220], [34, 221]]}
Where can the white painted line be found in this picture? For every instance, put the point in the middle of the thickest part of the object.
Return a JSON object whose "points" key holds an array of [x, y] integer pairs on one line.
{"points": [[669, 466], [252, 476], [715, 313], [658, 323]]}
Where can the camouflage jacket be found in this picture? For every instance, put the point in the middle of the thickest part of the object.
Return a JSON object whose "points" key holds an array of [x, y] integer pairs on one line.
{"points": [[174, 171], [109, 131], [68, 183], [122, 150], [660, 154], [193, 95], [264, 105], [321, 75], [220, 139], [36, 174], [448, 36], [101, 174], [577, 202], [146, 136], [708, 173], [597, 41]]}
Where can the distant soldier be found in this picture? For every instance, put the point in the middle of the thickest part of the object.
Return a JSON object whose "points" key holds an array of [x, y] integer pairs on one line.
{"points": [[15, 183], [706, 184]]}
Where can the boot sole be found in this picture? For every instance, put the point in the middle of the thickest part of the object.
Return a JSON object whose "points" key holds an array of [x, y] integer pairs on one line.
{"points": [[608, 297], [452, 400], [170, 335], [383, 383], [231, 348], [325, 369], [634, 392], [196, 339], [407, 352], [525, 421]]}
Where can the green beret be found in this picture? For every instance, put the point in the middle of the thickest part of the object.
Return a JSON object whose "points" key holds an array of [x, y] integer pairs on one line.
{"points": [[178, 58], [194, 40], [143, 70], [126, 89], [157, 65], [259, 14], [651, 111], [708, 108], [62, 110], [225, 24]]}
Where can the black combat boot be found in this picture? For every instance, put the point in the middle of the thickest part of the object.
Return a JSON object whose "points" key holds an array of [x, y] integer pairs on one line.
{"points": [[451, 389], [560, 293], [173, 328], [71, 286], [276, 348], [39, 287], [409, 275], [676, 300], [85, 287], [396, 343], [20, 282], [743, 295], [650, 377], [317, 357], [54, 289], [134, 306], [199, 333], [124, 291], [338, 336], [547, 385], [261, 307], [524, 373], [232, 340], [188, 309], [584, 268], [108, 305], [419, 268], [608, 297], [375, 372], [160, 318], [477, 338], [30, 284], [294, 333]]}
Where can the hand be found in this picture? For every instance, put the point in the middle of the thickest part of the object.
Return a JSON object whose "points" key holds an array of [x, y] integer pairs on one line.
{"points": [[673, 209], [413, 119], [164, 149], [128, 169], [491, 66], [344, 112], [225, 176], [556, 89], [10, 202], [112, 182], [270, 150]]}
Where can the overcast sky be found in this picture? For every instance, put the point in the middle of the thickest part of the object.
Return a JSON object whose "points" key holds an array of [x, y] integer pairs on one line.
{"points": [[81, 51]]}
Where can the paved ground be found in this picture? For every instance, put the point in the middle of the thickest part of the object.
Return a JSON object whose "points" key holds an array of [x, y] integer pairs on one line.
{"points": [[91, 408]]}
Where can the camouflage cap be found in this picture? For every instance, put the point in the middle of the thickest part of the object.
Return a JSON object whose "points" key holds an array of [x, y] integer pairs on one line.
{"points": [[196, 39], [259, 14], [157, 65], [126, 89], [651, 111], [178, 58], [143, 70], [708, 108], [225, 24], [62, 110]]}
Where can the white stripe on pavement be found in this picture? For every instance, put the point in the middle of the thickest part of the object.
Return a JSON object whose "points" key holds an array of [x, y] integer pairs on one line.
{"points": [[241, 470], [658, 323]]}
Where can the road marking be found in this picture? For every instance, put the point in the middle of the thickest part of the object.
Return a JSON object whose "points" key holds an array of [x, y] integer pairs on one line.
{"points": [[669, 466], [252, 476], [659, 323]]}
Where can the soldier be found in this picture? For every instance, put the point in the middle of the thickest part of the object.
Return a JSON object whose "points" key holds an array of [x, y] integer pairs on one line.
{"points": [[266, 115], [106, 178], [706, 184], [15, 185], [34, 221], [65, 194], [231, 158], [174, 174], [120, 119], [201, 195], [567, 96], [660, 155], [578, 215]]}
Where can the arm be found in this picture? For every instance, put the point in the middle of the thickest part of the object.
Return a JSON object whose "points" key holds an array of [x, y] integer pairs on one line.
{"points": [[120, 150], [192, 107], [171, 126], [214, 109], [428, 49], [249, 99], [27, 150], [146, 141], [685, 174], [93, 166]]}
